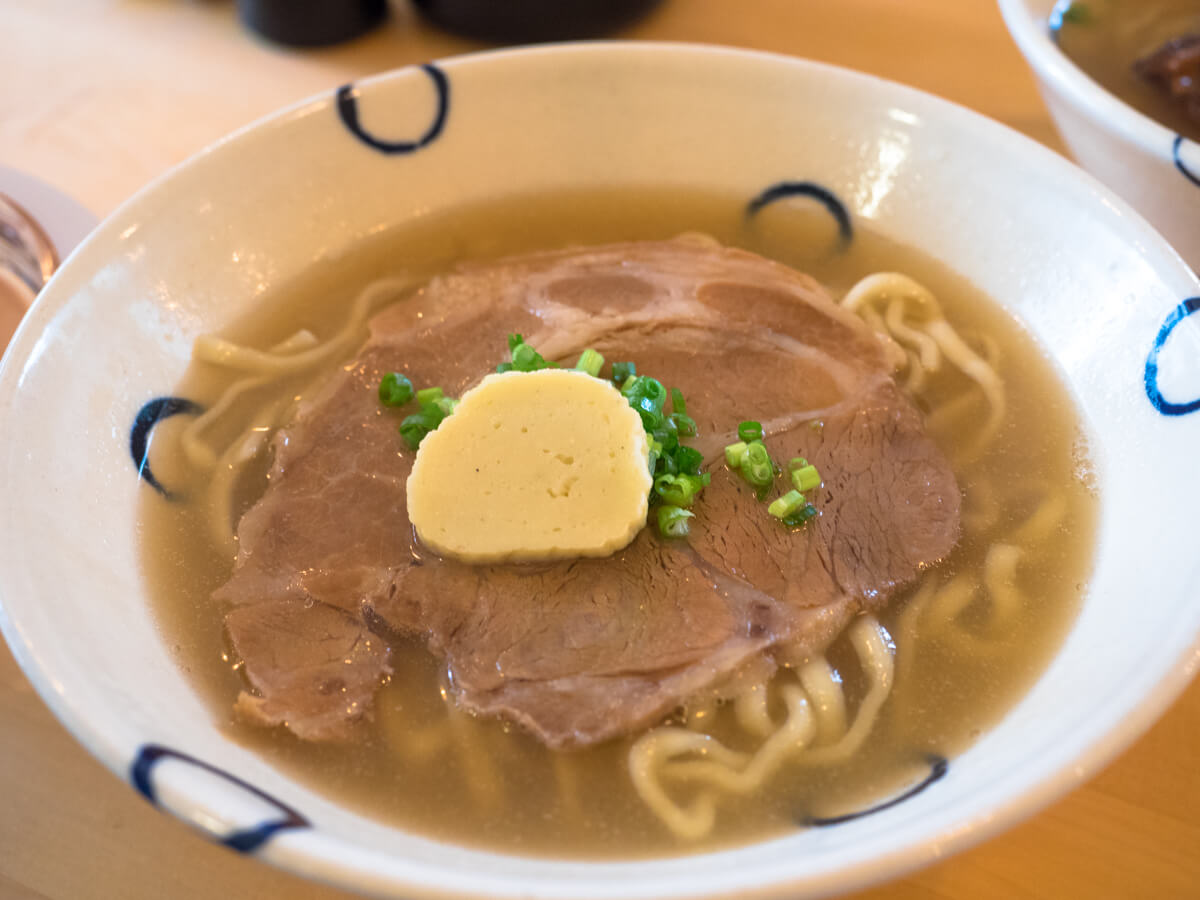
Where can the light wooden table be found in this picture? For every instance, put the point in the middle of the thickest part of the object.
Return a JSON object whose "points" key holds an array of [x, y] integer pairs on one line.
{"points": [[100, 96]]}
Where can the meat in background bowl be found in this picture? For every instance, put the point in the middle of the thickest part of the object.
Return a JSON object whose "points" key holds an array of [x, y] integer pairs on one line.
{"points": [[1152, 167], [1102, 293]]}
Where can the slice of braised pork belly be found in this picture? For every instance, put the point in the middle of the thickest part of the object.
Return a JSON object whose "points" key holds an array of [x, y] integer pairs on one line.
{"points": [[329, 572]]}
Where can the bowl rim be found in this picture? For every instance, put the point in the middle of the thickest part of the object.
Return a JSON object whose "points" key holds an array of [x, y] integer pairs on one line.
{"points": [[968, 830], [1033, 37]]}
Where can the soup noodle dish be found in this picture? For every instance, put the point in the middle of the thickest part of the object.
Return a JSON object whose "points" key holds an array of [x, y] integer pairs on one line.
{"points": [[606, 470]]}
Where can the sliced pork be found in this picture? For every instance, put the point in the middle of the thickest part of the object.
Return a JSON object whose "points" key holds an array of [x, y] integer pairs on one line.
{"points": [[580, 651]]}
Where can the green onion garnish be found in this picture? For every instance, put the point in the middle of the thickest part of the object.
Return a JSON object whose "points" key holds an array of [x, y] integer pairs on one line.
{"points": [[787, 505], [644, 388], [750, 431], [622, 372], [757, 466], [684, 424], [806, 478], [647, 395], [734, 454], [749, 457], [688, 459], [590, 361], [414, 428], [524, 357], [673, 521], [679, 490], [395, 389], [800, 516], [655, 454], [678, 404]]}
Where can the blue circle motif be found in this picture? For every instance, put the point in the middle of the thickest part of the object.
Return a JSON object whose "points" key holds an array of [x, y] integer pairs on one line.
{"points": [[1161, 403], [243, 840], [938, 767], [151, 413], [347, 107], [827, 198], [1176, 149]]}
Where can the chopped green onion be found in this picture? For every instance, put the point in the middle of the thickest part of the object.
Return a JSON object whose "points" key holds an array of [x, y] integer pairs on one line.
{"points": [[673, 521], [678, 404], [526, 359], [806, 478], [800, 516], [750, 431], [652, 421], [622, 372], [642, 387], [646, 396], [395, 389], [664, 429], [655, 453], [734, 454], [688, 459], [679, 490], [786, 505], [757, 466], [414, 428], [590, 361], [797, 462], [683, 423]]}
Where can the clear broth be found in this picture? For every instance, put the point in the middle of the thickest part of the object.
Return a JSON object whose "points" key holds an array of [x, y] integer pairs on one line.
{"points": [[484, 783]]}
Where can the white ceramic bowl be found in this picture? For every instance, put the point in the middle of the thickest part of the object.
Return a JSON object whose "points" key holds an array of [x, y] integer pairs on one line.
{"points": [[190, 253], [1152, 167]]}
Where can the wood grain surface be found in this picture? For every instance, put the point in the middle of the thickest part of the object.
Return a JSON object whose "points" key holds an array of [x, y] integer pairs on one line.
{"points": [[100, 96]]}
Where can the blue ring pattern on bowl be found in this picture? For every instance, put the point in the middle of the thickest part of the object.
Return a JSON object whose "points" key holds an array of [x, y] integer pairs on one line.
{"points": [[151, 413], [938, 767], [347, 107], [1057, 17], [243, 840], [1161, 403], [827, 198], [1177, 155]]}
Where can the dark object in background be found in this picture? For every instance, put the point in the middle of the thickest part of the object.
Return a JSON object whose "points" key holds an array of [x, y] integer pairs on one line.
{"points": [[1175, 68], [518, 21], [311, 23]]}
